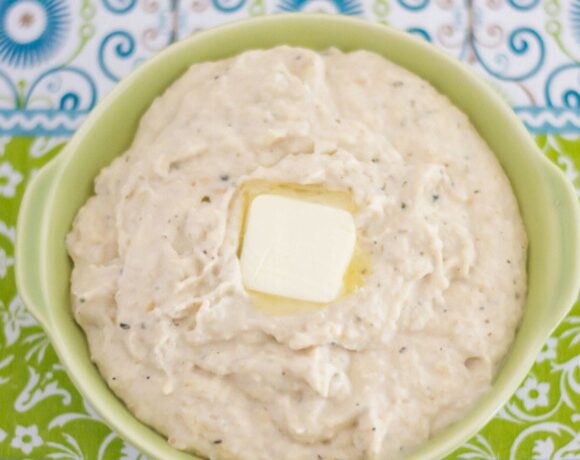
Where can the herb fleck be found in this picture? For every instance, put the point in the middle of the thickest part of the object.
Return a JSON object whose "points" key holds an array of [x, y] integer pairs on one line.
{"points": [[82, 300], [397, 84], [476, 192], [206, 199]]}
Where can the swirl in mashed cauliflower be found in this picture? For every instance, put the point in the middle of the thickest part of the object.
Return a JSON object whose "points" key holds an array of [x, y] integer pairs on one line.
{"points": [[157, 286]]}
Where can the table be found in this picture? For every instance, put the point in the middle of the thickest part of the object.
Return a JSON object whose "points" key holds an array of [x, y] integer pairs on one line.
{"points": [[59, 57]]}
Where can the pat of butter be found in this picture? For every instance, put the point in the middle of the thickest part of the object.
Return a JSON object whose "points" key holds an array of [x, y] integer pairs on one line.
{"points": [[296, 249]]}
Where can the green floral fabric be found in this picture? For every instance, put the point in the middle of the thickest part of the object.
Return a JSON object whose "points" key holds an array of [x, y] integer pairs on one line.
{"points": [[42, 416]]}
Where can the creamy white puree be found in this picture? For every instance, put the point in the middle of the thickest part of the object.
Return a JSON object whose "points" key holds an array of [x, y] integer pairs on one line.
{"points": [[157, 288]]}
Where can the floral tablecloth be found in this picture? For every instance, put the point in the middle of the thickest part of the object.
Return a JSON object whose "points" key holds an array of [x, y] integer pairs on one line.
{"points": [[59, 57]]}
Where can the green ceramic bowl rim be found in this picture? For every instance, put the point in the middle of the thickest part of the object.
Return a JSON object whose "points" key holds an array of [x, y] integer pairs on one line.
{"points": [[441, 444]]}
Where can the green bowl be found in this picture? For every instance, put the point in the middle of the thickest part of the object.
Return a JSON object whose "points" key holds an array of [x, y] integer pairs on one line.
{"points": [[547, 201]]}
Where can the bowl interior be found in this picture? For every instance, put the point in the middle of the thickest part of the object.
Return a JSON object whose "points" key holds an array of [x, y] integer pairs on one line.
{"points": [[110, 129]]}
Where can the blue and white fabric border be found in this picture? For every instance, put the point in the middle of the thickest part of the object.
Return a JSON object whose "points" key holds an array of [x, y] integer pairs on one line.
{"points": [[550, 120], [538, 120], [40, 122]]}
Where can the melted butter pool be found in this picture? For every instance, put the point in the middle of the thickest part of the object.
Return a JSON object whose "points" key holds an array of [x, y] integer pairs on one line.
{"points": [[358, 268]]}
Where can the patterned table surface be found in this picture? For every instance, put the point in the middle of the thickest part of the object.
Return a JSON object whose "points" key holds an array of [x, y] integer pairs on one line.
{"points": [[59, 57]]}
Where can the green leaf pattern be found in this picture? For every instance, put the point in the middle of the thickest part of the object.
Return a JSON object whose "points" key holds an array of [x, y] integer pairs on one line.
{"points": [[43, 416]]}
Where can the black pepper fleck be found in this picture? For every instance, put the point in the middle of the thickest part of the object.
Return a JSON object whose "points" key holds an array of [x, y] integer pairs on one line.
{"points": [[435, 197], [218, 441], [82, 300], [113, 378], [124, 326], [397, 84], [148, 377], [375, 160], [402, 349], [476, 192], [403, 205], [224, 177]]}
